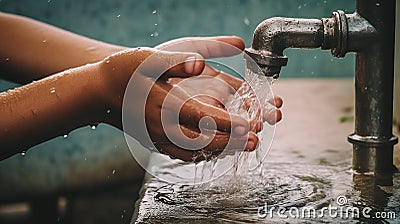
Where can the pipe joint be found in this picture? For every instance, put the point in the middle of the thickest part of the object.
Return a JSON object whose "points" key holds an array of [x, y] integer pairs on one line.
{"points": [[336, 33]]}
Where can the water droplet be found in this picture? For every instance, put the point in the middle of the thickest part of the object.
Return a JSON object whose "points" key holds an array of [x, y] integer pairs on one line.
{"points": [[108, 61], [378, 4], [91, 48], [23, 153], [155, 34], [325, 2], [299, 7], [155, 24], [7, 59], [154, 11], [151, 35], [315, 57], [246, 21], [118, 15], [44, 41], [113, 172], [84, 158], [93, 127], [52, 90], [65, 136]]}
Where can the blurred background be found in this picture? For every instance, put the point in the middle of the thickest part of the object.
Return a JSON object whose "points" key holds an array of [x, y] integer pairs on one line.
{"points": [[90, 175]]}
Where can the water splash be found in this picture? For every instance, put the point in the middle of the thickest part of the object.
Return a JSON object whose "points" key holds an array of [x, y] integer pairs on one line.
{"points": [[251, 101], [246, 21]]}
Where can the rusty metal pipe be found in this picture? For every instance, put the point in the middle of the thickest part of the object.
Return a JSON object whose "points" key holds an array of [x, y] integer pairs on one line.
{"points": [[373, 139]]}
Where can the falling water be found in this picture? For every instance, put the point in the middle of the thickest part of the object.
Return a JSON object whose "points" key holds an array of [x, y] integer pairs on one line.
{"points": [[250, 101]]}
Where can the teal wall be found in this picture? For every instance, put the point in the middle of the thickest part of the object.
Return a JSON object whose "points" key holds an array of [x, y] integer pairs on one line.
{"points": [[178, 18]]}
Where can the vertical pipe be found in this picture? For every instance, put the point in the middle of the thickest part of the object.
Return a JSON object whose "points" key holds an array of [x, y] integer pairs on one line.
{"points": [[397, 72], [373, 140]]}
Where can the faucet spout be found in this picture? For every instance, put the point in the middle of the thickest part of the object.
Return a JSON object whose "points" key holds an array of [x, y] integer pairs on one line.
{"points": [[274, 35]]}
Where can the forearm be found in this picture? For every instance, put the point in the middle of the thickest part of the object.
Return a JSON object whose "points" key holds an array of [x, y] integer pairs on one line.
{"points": [[31, 50], [48, 108]]}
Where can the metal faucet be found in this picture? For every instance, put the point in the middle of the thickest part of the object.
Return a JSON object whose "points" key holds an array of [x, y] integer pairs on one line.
{"points": [[368, 32]]}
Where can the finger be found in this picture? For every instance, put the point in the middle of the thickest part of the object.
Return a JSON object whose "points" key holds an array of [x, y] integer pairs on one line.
{"points": [[174, 152], [172, 64], [223, 140], [220, 140], [205, 85], [208, 47], [273, 116], [252, 142], [222, 144], [276, 101], [193, 111], [210, 100], [232, 81], [254, 112]]}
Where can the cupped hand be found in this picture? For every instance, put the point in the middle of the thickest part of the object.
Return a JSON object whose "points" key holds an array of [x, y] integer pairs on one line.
{"points": [[143, 95]]}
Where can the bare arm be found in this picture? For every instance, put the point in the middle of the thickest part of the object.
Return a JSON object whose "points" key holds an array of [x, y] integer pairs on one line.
{"points": [[57, 104], [31, 50], [51, 107]]}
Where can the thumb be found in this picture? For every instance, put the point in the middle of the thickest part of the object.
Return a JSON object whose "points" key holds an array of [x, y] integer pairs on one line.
{"points": [[172, 64]]}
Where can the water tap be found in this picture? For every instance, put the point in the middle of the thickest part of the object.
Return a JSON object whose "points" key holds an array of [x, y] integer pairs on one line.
{"points": [[341, 33]]}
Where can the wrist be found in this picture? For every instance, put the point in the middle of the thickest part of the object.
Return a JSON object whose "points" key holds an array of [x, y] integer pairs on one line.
{"points": [[115, 71], [92, 101]]}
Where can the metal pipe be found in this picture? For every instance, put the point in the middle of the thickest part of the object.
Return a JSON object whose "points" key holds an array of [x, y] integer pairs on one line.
{"points": [[373, 139], [274, 35], [370, 33]]}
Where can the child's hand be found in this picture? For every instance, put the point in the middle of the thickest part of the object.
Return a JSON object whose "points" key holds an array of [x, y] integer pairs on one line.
{"points": [[172, 126]]}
